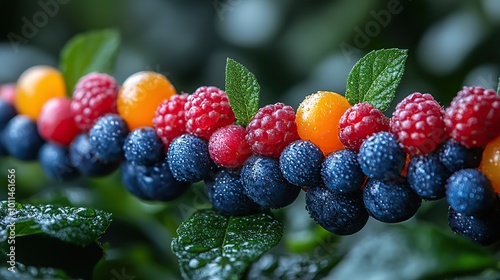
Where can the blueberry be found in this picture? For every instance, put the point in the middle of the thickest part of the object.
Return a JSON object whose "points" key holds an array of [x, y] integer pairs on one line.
{"points": [[226, 193], [3, 150], [21, 138], [390, 201], [300, 163], [55, 162], [381, 158], [107, 137], [264, 183], [130, 180], [142, 146], [189, 159], [427, 176], [7, 112], [470, 192], [484, 230], [339, 213], [82, 157], [455, 156], [341, 171]]}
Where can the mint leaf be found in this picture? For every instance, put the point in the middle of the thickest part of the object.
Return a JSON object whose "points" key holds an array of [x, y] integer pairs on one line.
{"points": [[242, 91], [214, 246], [375, 77], [89, 52], [420, 251], [76, 225], [22, 272]]}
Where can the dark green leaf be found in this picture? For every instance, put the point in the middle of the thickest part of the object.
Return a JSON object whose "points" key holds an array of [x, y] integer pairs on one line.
{"points": [[22, 272], [417, 252], [498, 87], [80, 226], [89, 52], [214, 246], [375, 77], [242, 91]]}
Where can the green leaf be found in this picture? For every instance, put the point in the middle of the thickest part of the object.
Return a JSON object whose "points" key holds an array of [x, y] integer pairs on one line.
{"points": [[375, 77], [498, 87], [76, 225], [94, 51], [214, 246], [242, 91], [416, 252], [22, 272]]}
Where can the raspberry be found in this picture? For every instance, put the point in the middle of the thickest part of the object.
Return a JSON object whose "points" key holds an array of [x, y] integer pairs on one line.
{"points": [[56, 123], [490, 163], [83, 158], [207, 109], [8, 93], [341, 171], [189, 159], [142, 146], [341, 214], [360, 122], [455, 156], [107, 137], [300, 163], [380, 157], [227, 194], [55, 162], [272, 129], [391, 201], [94, 96], [21, 138], [473, 117], [469, 192], [427, 176], [228, 147], [264, 183], [169, 120], [418, 124]]}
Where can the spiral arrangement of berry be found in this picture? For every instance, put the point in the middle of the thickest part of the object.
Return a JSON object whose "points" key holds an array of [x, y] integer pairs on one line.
{"points": [[352, 161]]}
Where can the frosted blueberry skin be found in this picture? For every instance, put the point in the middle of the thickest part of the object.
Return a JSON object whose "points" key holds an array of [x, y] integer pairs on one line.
{"points": [[469, 192], [189, 159], [264, 183], [455, 156], [339, 213], [129, 180], [300, 163], [226, 193], [55, 162], [21, 138], [107, 137], [484, 230], [427, 176], [82, 157], [381, 157], [143, 146], [341, 171], [390, 201]]}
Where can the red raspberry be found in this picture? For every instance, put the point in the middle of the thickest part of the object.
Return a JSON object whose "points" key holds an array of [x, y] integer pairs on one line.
{"points": [[360, 122], [473, 117], [272, 129], [169, 120], [94, 96], [228, 147], [418, 124], [207, 109]]}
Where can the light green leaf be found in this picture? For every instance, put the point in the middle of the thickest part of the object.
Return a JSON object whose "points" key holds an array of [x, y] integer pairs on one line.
{"points": [[375, 77], [214, 246]]}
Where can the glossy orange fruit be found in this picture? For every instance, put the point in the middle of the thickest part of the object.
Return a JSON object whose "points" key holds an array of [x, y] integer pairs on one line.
{"points": [[490, 163]]}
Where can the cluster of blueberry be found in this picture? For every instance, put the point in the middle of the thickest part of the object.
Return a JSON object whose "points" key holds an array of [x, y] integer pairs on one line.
{"points": [[352, 161]]}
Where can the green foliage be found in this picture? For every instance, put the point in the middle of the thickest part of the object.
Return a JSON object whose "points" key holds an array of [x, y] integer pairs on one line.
{"points": [[214, 246], [375, 77], [76, 225], [89, 52], [242, 91], [23, 272]]}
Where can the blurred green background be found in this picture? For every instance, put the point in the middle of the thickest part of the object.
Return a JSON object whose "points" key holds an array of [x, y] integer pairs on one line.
{"points": [[294, 48]]}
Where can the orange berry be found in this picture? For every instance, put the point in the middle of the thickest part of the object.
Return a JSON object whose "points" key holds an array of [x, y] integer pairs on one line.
{"points": [[490, 163], [140, 95], [318, 119], [36, 86]]}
